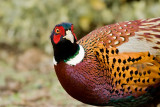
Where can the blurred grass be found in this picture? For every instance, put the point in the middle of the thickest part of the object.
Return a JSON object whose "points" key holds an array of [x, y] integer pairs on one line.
{"points": [[32, 89], [27, 78]]}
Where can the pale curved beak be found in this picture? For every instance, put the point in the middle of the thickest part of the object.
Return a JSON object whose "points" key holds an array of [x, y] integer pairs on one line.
{"points": [[69, 36]]}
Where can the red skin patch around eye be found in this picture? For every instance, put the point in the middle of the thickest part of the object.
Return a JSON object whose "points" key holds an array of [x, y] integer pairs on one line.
{"points": [[57, 37]]}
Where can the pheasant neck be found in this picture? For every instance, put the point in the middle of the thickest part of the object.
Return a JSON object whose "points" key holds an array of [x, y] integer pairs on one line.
{"points": [[77, 57], [71, 54]]}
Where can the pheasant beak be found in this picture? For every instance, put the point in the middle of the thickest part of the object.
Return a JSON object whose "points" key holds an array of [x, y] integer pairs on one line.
{"points": [[69, 36]]}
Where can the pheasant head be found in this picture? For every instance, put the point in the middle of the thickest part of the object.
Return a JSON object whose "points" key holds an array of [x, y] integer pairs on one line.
{"points": [[64, 43]]}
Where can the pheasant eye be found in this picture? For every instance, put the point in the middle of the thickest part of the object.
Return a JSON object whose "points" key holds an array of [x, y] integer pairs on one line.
{"points": [[57, 31]]}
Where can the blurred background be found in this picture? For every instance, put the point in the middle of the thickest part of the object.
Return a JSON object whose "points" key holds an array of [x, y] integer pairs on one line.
{"points": [[27, 77]]}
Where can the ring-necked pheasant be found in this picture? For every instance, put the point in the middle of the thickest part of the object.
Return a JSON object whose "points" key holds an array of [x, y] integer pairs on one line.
{"points": [[117, 64]]}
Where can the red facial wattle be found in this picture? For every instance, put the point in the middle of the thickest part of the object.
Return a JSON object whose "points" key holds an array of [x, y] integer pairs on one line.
{"points": [[73, 32], [59, 31], [56, 38]]}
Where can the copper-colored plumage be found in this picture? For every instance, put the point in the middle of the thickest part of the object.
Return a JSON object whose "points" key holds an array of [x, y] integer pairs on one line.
{"points": [[109, 72], [130, 72]]}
